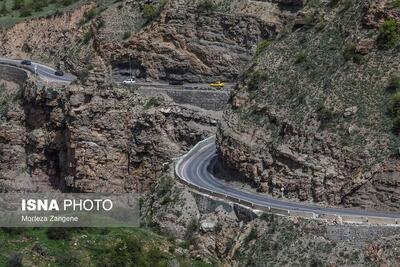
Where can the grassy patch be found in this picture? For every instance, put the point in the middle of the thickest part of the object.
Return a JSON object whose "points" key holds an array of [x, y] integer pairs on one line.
{"points": [[206, 7], [389, 34], [13, 11], [394, 110], [152, 11], [86, 247], [261, 47]]}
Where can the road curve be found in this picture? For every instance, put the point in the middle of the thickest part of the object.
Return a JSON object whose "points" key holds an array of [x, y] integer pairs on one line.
{"points": [[196, 168], [44, 72]]}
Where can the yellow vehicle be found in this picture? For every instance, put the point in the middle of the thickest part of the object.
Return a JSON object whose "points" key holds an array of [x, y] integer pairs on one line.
{"points": [[217, 84]]}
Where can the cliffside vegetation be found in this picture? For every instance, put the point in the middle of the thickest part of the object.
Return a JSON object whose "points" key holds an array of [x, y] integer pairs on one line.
{"points": [[321, 104], [88, 247]]}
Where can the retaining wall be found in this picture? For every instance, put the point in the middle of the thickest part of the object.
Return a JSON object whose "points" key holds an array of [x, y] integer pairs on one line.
{"points": [[206, 99], [13, 74]]}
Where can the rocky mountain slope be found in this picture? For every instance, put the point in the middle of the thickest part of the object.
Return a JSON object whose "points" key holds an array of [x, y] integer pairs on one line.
{"points": [[178, 39], [86, 139], [314, 112], [208, 228]]}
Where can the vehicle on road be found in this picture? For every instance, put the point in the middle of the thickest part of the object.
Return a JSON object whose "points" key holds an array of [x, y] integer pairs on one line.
{"points": [[129, 81], [26, 62], [217, 84], [59, 73], [176, 82]]}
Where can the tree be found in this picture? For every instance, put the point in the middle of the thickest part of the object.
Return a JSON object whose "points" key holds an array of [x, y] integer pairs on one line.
{"points": [[389, 35], [149, 12], [18, 4], [3, 10]]}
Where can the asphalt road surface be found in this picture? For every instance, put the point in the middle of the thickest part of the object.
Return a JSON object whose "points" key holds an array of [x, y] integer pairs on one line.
{"points": [[44, 72], [198, 168]]}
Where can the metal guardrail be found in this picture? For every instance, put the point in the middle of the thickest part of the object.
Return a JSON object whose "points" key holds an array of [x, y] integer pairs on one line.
{"points": [[271, 208]]}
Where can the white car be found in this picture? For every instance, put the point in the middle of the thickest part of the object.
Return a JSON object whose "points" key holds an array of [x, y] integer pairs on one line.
{"points": [[129, 81]]}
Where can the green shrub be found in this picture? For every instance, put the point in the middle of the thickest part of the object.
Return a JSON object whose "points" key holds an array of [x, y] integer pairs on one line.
{"points": [[38, 5], [325, 114], [333, 3], [66, 2], [15, 259], [25, 11], [58, 233], [128, 251], [261, 47], [252, 235], [89, 15], [87, 37], [126, 35], [300, 57], [83, 75], [388, 34], [205, 7], [69, 260], [191, 230], [346, 5], [394, 4], [256, 78], [164, 186], [3, 9], [17, 4], [394, 110], [314, 3], [150, 12], [394, 83], [350, 53]]}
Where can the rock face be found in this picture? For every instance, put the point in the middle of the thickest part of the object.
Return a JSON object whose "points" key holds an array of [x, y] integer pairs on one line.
{"points": [[95, 139], [184, 42], [308, 117], [197, 44], [209, 228]]}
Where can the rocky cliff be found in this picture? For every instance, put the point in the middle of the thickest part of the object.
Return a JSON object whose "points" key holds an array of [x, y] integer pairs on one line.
{"points": [[86, 139], [311, 114], [209, 228], [195, 41]]}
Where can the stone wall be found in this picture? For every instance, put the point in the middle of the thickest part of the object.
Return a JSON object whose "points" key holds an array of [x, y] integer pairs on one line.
{"points": [[206, 99], [359, 235], [13, 74]]}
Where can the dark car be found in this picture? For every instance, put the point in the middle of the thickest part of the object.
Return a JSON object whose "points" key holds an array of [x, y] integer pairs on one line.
{"points": [[176, 82], [59, 73], [26, 62]]}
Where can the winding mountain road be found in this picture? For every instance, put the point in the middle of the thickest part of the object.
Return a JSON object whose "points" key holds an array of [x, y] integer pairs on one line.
{"points": [[197, 166], [44, 72]]}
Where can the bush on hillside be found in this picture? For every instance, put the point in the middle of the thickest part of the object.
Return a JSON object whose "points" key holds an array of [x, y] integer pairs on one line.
{"points": [[150, 12], [389, 34], [394, 83], [256, 78], [205, 7], [261, 47], [394, 110]]}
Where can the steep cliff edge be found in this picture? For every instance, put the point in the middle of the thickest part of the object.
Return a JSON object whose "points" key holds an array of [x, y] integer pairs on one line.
{"points": [[195, 41], [92, 139], [312, 114]]}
